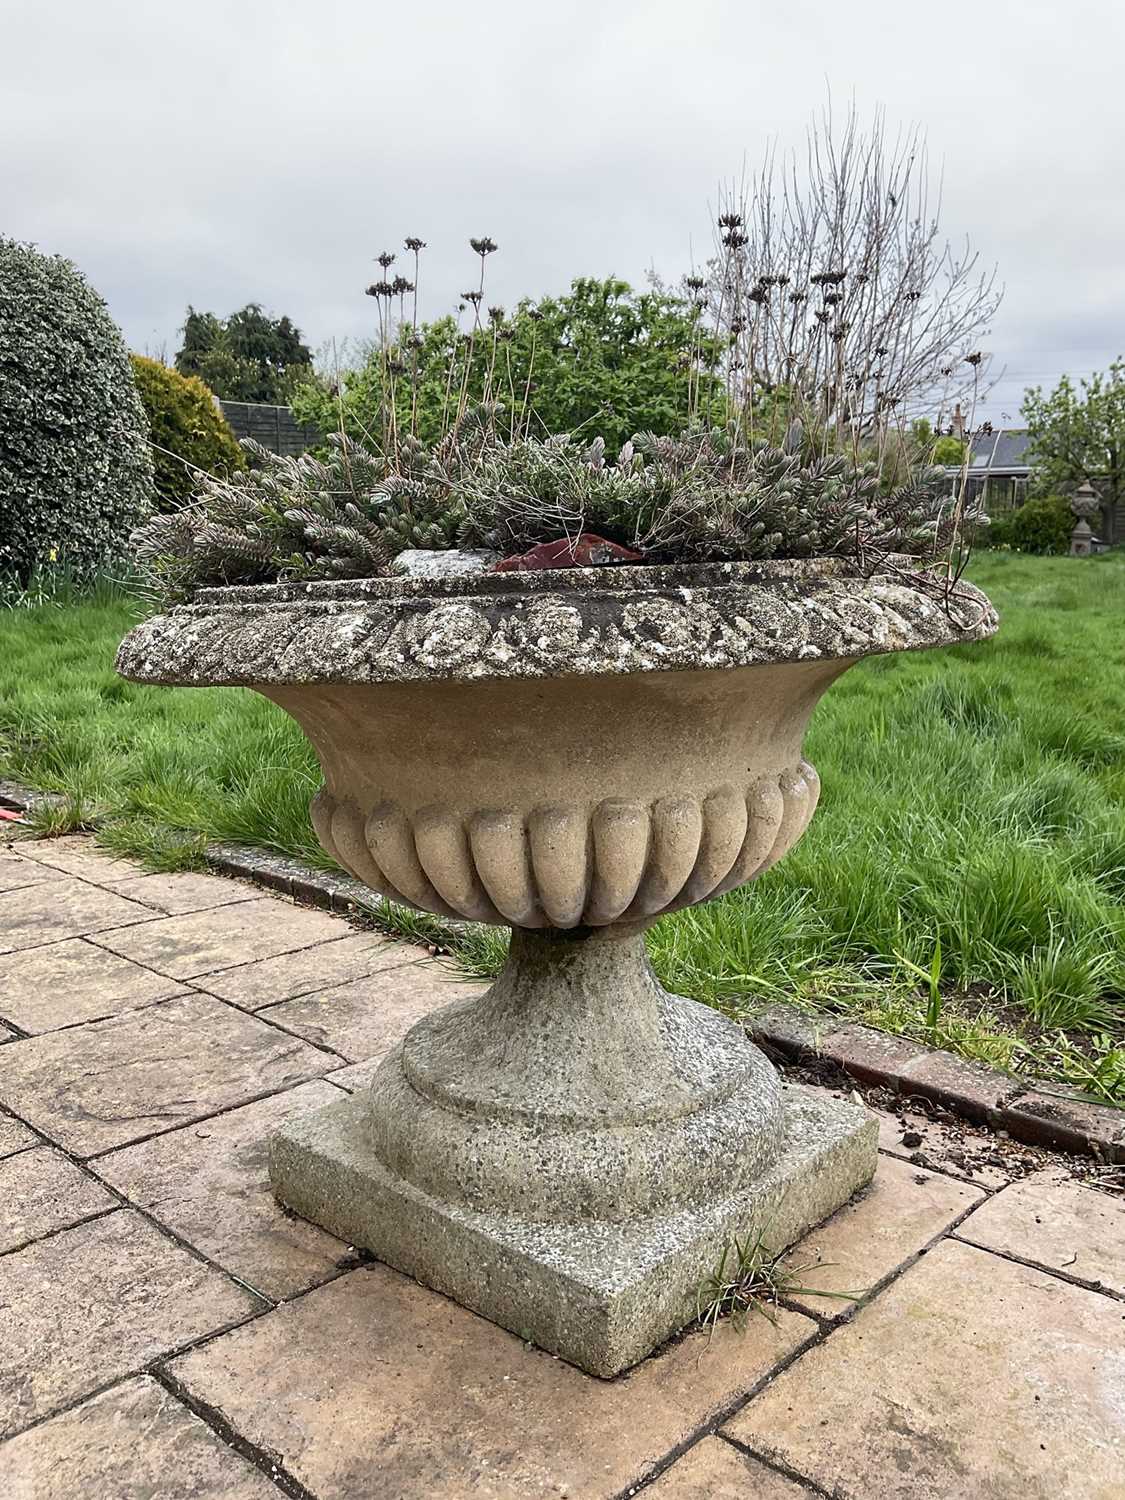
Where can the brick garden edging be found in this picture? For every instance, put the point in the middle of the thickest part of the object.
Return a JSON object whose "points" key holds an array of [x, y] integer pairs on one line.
{"points": [[1060, 1119]]}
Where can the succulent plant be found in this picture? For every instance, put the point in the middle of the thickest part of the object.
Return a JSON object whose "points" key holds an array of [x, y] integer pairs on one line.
{"points": [[704, 496]]}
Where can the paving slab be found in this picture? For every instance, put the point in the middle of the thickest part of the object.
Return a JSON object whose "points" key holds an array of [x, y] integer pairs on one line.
{"points": [[79, 855], [1059, 1225], [94, 1087], [16, 871], [969, 1376], [95, 1303], [209, 1182], [183, 891], [375, 1385], [15, 1136], [364, 1019], [41, 1191], [133, 1442], [60, 909], [715, 1470], [66, 983], [269, 980], [200, 942], [902, 1211]]}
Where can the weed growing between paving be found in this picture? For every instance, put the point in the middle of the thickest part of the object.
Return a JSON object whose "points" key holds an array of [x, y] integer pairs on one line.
{"points": [[973, 816], [752, 1278]]}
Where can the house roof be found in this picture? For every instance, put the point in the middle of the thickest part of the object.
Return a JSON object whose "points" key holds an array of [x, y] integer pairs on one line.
{"points": [[1001, 452]]}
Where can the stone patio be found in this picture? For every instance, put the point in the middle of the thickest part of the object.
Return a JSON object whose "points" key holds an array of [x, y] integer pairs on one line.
{"points": [[165, 1329]]}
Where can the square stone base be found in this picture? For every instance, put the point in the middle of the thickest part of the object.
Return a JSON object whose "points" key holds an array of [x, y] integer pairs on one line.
{"points": [[600, 1295]]}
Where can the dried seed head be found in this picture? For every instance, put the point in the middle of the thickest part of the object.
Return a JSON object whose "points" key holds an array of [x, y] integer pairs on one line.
{"points": [[483, 246], [730, 221], [386, 259], [495, 315], [402, 286], [734, 239], [473, 297], [694, 283], [412, 242], [974, 359]]}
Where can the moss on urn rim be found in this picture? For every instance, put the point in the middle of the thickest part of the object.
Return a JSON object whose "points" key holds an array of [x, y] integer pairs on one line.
{"points": [[577, 622]]}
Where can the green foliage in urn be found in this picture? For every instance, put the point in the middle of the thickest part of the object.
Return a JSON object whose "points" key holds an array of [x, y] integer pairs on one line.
{"points": [[187, 429], [704, 496], [75, 471]]}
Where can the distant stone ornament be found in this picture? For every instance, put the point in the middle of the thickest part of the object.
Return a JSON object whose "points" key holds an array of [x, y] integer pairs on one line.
{"points": [[571, 754], [1085, 505]]}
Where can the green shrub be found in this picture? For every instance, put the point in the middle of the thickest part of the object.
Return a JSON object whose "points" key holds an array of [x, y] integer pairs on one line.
{"points": [[75, 471], [999, 532], [189, 433], [1043, 526]]}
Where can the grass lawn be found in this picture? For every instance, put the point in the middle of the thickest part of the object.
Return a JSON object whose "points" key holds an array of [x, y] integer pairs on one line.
{"points": [[963, 878]]}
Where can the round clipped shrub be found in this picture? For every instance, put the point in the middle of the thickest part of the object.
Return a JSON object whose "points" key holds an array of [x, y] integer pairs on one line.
{"points": [[75, 471], [1043, 526], [188, 430]]}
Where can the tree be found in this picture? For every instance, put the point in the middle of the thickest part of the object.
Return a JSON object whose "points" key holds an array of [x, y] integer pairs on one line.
{"points": [[248, 357], [601, 359], [832, 283], [1079, 434]]}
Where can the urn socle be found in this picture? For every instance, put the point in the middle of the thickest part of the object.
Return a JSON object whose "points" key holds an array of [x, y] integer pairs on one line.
{"points": [[571, 755]]}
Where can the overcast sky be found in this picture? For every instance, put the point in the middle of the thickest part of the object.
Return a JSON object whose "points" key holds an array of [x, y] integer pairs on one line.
{"points": [[217, 153]]}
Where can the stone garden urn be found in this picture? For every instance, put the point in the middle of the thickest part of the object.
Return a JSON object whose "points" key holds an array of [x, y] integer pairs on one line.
{"points": [[571, 755]]}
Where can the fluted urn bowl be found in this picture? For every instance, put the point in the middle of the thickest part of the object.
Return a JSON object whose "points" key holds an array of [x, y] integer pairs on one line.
{"points": [[571, 754]]}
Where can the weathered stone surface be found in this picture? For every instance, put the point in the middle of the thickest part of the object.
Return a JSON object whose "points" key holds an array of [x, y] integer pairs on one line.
{"points": [[588, 622], [41, 1191], [209, 1182], [367, 1017], [602, 1294], [15, 1136], [133, 1442], [183, 891], [374, 1385], [270, 980], [415, 562], [65, 983], [94, 1087], [96, 1302], [201, 942], [969, 1376], [714, 1470], [1059, 1225], [17, 872], [62, 909], [902, 1211]]}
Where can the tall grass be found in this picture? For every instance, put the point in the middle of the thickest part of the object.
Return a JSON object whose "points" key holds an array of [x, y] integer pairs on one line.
{"points": [[973, 806]]}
